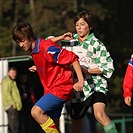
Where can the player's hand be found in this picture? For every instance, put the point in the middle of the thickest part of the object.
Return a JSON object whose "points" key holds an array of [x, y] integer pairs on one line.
{"points": [[33, 68], [67, 36], [128, 101], [79, 86]]}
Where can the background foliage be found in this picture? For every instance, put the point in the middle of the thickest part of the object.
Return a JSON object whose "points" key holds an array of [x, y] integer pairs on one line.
{"points": [[113, 21]]}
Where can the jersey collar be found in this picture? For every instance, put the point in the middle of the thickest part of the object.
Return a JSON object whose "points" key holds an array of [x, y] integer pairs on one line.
{"points": [[76, 36], [36, 48]]}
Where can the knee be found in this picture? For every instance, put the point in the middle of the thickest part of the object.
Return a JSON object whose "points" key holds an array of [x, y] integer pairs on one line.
{"points": [[35, 112]]}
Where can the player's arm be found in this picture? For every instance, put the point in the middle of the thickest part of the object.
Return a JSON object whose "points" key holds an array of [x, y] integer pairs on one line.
{"points": [[128, 85], [65, 36], [79, 85], [88, 71], [95, 71]]}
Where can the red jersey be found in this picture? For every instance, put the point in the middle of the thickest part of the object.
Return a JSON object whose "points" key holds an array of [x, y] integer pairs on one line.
{"points": [[128, 79], [53, 67]]}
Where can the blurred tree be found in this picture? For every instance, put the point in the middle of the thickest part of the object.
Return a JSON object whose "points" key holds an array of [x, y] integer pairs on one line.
{"points": [[15, 19], [113, 24]]}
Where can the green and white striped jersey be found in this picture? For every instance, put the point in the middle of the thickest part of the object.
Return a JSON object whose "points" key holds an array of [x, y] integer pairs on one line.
{"points": [[92, 53]]}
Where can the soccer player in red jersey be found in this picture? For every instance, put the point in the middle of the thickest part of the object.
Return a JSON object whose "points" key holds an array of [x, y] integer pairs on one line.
{"points": [[53, 66], [128, 83]]}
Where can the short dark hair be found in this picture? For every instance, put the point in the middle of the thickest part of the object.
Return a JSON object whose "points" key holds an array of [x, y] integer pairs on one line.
{"points": [[88, 18], [22, 31], [12, 68]]}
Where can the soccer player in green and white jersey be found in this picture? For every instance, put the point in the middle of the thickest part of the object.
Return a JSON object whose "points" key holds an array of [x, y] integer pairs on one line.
{"points": [[97, 66]]}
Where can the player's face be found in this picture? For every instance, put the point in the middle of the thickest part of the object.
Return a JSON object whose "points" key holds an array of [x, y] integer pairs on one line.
{"points": [[82, 28], [25, 44]]}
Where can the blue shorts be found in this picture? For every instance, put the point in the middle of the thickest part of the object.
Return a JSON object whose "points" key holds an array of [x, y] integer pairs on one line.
{"points": [[51, 105]]}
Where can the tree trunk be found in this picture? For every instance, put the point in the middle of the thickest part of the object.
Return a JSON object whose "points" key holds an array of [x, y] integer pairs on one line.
{"points": [[32, 9], [15, 21], [75, 6]]}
